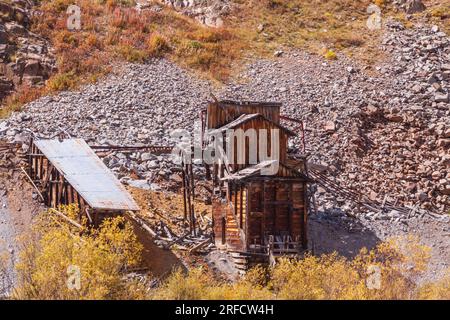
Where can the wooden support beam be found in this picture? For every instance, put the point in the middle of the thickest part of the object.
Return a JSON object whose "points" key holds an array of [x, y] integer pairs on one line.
{"points": [[188, 195], [32, 183], [89, 216], [199, 246], [241, 196], [264, 215], [184, 193], [194, 222], [304, 218], [71, 221]]}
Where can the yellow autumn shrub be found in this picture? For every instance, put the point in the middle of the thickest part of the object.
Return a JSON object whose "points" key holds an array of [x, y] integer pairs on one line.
{"points": [[439, 290], [55, 250], [103, 256], [399, 262], [180, 286]]}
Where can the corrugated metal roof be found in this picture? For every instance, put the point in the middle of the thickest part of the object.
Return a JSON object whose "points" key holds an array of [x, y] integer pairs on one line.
{"points": [[87, 174]]}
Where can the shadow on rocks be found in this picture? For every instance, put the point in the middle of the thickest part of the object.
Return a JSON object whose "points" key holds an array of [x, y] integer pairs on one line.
{"points": [[333, 231]]}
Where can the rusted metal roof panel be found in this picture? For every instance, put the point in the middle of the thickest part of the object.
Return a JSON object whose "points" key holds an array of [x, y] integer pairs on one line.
{"points": [[87, 174]]}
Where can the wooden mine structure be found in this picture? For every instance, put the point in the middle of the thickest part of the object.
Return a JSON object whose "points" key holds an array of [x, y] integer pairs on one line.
{"points": [[255, 216], [67, 171]]}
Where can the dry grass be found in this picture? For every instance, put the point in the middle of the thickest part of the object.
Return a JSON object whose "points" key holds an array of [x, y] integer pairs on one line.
{"points": [[439, 12], [315, 26], [23, 95], [116, 31], [112, 31]]}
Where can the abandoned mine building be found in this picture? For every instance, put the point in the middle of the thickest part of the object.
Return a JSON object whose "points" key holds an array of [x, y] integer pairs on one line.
{"points": [[257, 216]]}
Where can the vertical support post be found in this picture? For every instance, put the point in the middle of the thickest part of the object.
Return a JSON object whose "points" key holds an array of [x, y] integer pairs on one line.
{"points": [[235, 192], [191, 173], [33, 166], [248, 210], [263, 219], [304, 217], [303, 137], [184, 191], [41, 166], [188, 195], [241, 196], [30, 152], [208, 175]]}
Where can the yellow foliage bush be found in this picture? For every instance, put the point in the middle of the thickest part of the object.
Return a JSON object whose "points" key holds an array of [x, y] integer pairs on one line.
{"points": [[180, 286], [330, 55], [330, 276], [62, 81], [102, 256], [439, 290], [105, 254]]}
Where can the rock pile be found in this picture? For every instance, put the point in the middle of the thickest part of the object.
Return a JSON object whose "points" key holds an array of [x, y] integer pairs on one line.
{"points": [[138, 106], [379, 136], [410, 6], [207, 12], [385, 136], [25, 58]]}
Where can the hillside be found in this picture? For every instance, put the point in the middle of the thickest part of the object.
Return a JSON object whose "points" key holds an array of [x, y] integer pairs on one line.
{"points": [[376, 102]]}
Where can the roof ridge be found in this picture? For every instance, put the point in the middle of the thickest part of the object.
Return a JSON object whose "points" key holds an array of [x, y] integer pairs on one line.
{"points": [[249, 116]]}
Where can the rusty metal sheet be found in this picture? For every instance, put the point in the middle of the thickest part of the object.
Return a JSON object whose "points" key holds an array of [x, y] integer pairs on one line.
{"points": [[87, 174]]}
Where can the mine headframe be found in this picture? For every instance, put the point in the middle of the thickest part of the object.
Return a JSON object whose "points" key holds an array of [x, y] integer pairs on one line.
{"points": [[256, 213]]}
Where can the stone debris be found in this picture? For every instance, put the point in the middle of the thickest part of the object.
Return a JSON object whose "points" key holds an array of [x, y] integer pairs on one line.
{"points": [[139, 106], [387, 133], [207, 12], [410, 6], [377, 135]]}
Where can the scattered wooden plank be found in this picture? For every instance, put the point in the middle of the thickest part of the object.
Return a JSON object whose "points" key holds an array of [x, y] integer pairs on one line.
{"points": [[199, 246], [145, 226], [167, 231], [71, 221], [32, 183]]}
